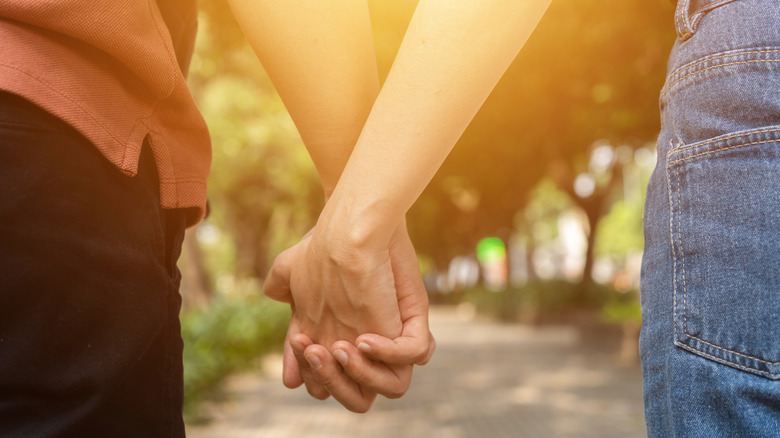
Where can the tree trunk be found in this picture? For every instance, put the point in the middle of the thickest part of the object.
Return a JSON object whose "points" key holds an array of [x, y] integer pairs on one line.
{"points": [[593, 216], [196, 289]]}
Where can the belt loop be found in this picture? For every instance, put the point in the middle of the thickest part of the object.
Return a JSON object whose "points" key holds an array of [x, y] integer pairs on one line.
{"points": [[690, 12], [682, 20]]}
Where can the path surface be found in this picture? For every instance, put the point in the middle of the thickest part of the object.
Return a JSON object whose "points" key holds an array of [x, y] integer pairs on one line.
{"points": [[487, 380]]}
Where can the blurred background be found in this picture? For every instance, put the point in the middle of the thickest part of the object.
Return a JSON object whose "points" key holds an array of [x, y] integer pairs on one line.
{"points": [[534, 220]]}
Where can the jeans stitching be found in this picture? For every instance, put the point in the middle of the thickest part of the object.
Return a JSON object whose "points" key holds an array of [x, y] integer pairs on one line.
{"points": [[724, 361], [768, 362], [671, 241], [724, 149], [673, 150], [682, 254], [693, 64], [682, 21], [750, 61]]}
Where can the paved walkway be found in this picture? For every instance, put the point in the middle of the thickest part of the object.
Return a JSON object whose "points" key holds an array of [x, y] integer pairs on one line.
{"points": [[486, 380]]}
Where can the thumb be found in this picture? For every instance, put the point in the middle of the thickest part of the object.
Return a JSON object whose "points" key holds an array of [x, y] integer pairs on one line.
{"points": [[277, 283]]}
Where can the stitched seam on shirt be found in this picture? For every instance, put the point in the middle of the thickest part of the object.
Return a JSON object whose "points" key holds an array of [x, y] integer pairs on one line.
{"points": [[136, 150], [70, 99], [715, 140], [751, 61], [724, 149], [172, 168], [174, 85]]}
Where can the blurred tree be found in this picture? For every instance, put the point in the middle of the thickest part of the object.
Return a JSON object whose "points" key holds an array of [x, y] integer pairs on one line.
{"points": [[591, 71], [538, 223]]}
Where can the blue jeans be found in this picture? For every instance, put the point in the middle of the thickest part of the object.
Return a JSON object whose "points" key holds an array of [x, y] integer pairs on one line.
{"points": [[710, 342]]}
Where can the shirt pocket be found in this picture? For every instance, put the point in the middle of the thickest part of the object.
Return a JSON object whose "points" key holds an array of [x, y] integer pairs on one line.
{"points": [[724, 196]]}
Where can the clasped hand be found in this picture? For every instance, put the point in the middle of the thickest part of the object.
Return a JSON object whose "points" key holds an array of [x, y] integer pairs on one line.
{"points": [[359, 321]]}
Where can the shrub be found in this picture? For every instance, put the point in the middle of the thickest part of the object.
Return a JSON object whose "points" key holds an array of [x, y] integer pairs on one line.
{"points": [[226, 337], [548, 301]]}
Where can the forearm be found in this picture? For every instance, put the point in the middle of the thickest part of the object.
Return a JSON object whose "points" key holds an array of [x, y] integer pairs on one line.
{"points": [[320, 57], [453, 54]]}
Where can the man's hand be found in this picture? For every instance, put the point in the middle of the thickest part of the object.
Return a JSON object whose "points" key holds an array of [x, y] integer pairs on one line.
{"points": [[354, 375], [336, 293]]}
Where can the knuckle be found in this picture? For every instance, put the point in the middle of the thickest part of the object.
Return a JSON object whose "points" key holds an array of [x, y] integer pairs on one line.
{"points": [[324, 380], [395, 393], [359, 374]]}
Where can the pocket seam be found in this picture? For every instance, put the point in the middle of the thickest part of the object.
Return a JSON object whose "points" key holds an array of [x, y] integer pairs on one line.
{"points": [[680, 148], [694, 65], [726, 362], [733, 352], [723, 149]]}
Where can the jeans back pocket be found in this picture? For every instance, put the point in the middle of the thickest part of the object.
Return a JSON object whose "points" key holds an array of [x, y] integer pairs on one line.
{"points": [[724, 195]]}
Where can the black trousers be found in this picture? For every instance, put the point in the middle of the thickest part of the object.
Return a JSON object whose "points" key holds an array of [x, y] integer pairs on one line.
{"points": [[90, 342]]}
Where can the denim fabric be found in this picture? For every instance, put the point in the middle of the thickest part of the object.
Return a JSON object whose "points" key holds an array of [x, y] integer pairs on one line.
{"points": [[710, 341], [90, 344]]}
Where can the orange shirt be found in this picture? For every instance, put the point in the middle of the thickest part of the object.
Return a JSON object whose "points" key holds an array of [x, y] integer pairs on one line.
{"points": [[114, 70]]}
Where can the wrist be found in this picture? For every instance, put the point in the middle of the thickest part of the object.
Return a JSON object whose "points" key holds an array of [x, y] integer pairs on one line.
{"points": [[354, 235]]}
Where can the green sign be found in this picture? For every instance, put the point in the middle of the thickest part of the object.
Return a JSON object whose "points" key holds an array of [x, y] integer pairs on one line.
{"points": [[491, 250]]}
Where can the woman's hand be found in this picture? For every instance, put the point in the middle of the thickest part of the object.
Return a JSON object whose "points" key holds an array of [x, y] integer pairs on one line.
{"points": [[336, 293], [379, 364]]}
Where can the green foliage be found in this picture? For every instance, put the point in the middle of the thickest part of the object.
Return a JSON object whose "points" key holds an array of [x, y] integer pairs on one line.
{"points": [[550, 301], [558, 302], [539, 219], [227, 337], [620, 231], [627, 310]]}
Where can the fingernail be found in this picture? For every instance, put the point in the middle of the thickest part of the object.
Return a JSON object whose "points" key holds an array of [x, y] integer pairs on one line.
{"points": [[341, 356], [365, 348], [314, 361]]}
